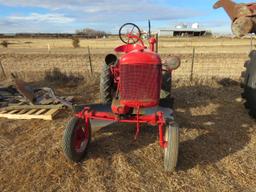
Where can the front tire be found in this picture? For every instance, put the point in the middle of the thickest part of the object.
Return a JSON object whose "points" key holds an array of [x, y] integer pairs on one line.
{"points": [[76, 139], [172, 149]]}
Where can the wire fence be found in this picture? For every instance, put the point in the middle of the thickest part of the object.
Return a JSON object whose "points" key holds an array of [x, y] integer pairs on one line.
{"points": [[194, 65], [210, 65]]}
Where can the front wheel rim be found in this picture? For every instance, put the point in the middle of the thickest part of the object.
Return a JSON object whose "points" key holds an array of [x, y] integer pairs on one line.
{"points": [[81, 137]]}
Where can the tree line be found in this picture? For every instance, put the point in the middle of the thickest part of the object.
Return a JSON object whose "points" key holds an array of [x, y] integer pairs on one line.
{"points": [[83, 33]]}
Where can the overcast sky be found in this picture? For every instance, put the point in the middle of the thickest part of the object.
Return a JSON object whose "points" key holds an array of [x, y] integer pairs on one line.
{"points": [[108, 15]]}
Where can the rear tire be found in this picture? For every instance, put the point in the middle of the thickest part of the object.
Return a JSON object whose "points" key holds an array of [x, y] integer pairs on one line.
{"points": [[248, 79], [106, 85], [76, 139], [166, 88], [172, 150]]}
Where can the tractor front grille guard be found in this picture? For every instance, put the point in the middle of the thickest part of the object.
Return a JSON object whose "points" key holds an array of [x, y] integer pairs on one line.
{"points": [[140, 84], [155, 119]]}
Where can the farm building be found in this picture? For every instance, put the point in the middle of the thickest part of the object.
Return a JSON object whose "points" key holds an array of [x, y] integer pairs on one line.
{"points": [[184, 30]]}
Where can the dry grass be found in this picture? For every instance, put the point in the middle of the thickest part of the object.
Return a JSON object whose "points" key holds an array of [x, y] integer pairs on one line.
{"points": [[166, 45], [217, 149], [218, 138], [30, 58]]}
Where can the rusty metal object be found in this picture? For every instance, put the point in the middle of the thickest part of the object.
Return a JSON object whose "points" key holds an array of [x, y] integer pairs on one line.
{"points": [[24, 90], [243, 16], [229, 7], [242, 26], [49, 93], [38, 96]]}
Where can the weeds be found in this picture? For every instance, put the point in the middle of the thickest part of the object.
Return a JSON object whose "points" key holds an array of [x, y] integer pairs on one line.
{"points": [[76, 42]]}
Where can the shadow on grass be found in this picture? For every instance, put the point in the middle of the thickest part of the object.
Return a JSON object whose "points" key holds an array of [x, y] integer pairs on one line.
{"points": [[219, 133]]}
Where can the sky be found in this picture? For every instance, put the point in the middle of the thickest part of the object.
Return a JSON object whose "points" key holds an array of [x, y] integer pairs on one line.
{"points": [[67, 16]]}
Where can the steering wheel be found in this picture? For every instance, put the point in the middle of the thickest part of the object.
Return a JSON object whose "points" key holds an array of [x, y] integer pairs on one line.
{"points": [[129, 33]]}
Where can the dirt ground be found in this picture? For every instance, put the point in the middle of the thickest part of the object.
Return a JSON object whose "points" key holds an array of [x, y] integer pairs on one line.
{"points": [[217, 149]]}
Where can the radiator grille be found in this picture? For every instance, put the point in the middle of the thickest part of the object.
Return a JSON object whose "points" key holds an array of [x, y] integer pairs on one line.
{"points": [[140, 82]]}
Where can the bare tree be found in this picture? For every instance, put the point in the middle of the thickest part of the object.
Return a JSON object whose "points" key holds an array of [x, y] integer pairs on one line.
{"points": [[91, 33]]}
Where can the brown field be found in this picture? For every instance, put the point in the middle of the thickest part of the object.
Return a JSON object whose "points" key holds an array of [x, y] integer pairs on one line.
{"points": [[214, 57], [217, 136]]}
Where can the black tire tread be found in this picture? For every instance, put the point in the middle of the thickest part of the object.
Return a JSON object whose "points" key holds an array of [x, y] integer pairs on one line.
{"points": [[249, 94], [106, 85], [67, 141], [166, 99]]}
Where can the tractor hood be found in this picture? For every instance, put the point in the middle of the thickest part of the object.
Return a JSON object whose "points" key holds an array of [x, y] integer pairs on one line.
{"points": [[141, 57]]}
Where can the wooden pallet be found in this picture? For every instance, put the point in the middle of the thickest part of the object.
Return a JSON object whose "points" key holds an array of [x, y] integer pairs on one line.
{"points": [[37, 113]]}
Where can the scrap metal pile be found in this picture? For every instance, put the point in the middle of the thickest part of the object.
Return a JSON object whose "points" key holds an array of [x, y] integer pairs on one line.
{"points": [[21, 92], [22, 101], [243, 16]]}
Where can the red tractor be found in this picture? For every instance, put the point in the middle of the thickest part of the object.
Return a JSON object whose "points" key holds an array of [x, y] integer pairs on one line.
{"points": [[130, 92]]}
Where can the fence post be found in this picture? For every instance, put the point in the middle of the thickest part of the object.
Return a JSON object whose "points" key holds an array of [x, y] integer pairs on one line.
{"points": [[2, 68], [90, 59], [49, 47], [192, 65]]}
